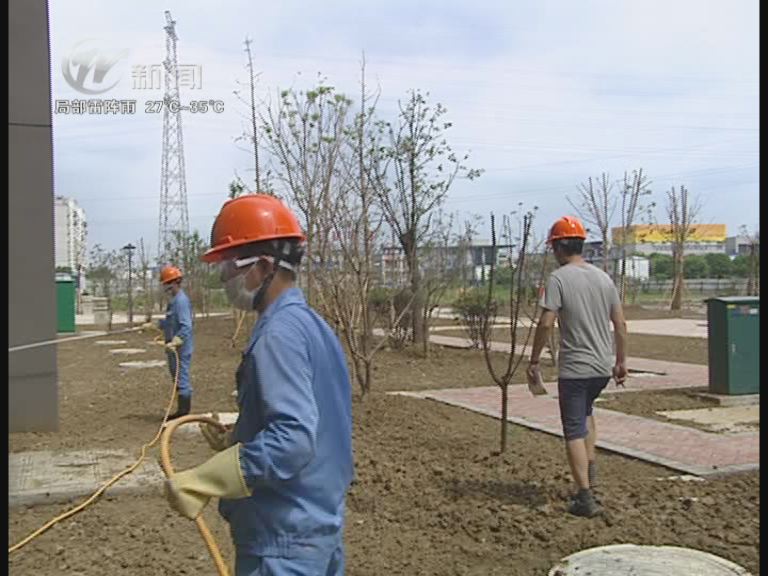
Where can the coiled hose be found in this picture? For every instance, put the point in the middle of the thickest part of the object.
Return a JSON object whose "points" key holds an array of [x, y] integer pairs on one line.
{"points": [[164, 436], [165, 461]]}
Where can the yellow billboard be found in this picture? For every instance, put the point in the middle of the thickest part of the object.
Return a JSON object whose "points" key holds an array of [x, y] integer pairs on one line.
{"points": [[662, 233]]}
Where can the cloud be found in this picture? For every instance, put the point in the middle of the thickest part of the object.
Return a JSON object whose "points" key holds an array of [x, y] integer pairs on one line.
{"points": [[542, 94]]}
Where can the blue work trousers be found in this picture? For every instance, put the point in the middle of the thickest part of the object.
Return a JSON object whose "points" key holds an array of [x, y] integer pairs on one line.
{"points": [[185, 359], [322, 564]]}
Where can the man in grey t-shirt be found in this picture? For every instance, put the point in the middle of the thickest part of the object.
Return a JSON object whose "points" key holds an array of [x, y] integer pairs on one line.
{"points": [[585, 301]]}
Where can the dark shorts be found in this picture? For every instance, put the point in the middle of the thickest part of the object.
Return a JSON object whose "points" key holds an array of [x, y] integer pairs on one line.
{"points": [[576, 397]]}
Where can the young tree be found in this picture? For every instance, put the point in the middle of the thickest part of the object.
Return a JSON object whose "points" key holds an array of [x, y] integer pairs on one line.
{"points": [[347, 275], [185, 253], [441, 269], [632, 193], [305, 131], [420, 173], [148, 293], [102, 273], [682, 215], [251, 133], [465, 243], [596, 206], [516, 303]]}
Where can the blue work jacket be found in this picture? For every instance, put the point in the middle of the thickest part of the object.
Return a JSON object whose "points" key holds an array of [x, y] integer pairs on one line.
{"points": [[295, 427], [178, 322]]}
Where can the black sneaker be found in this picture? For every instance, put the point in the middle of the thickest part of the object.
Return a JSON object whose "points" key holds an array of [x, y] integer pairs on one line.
{"points": [[584, 505]]}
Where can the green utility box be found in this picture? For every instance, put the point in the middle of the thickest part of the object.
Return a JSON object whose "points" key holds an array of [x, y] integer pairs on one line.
{"points": [[734, 345], [65, 303]]}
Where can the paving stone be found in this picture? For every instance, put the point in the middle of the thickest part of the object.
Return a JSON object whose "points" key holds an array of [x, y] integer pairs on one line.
{"points": [[144, 364], [127, 351], [45, 477]]}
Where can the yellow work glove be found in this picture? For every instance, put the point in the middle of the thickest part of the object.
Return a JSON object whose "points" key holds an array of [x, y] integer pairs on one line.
{"points": [[188, 492], [175, 343], [218, 439]]}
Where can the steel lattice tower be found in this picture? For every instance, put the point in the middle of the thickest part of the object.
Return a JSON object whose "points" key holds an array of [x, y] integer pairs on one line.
{"points": [[174, 217]]}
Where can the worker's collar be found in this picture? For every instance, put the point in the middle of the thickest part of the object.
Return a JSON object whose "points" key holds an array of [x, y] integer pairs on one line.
{"points": [[289, 296]]}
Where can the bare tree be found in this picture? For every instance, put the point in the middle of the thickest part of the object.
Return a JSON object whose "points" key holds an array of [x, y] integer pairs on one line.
{"points": [[421, 170], [465, 244], [516, 303], [251, 133], [185, 253], [347, 280], [102, 273], [632, 193], [305, 131], [441, 269], [682, 215], [596, 206], [146, 281]]}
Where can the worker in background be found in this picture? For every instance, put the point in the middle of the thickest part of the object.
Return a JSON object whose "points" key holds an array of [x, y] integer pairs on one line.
{"points": [[283, 469], [177, 328], [585, 301]]}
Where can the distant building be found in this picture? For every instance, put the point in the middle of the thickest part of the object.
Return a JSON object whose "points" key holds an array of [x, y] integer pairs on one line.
{"points": [[637, 267], [70, 238], [657, 238], [474, 261], [738, 246]]}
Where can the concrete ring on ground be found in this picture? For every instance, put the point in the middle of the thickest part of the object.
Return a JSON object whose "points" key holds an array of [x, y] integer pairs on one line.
{"points": [[630, 559]]}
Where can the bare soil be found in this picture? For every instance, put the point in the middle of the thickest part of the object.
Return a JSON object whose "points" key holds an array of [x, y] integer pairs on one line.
{"points": [[653, 346], [431, 495]]}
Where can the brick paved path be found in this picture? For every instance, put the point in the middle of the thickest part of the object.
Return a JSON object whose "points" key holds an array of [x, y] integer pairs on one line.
{"points": [[677, 447]]}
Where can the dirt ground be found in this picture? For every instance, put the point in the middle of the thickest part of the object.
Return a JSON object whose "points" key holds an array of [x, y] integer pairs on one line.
{"points": [[431, 495], [653, 346]]}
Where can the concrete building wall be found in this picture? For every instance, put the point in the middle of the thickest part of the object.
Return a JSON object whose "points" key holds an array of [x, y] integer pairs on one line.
{"points": [[737, 246], [32, 385]]}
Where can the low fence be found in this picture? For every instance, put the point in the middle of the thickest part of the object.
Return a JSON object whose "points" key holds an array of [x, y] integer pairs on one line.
{"points": [[719, 286]]}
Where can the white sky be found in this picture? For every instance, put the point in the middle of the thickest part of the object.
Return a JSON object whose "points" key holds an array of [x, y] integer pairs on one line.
{"points": [[543, 94]]}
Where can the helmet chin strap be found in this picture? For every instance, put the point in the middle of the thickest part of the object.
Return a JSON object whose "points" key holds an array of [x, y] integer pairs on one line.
{"points": [[262, 291]]}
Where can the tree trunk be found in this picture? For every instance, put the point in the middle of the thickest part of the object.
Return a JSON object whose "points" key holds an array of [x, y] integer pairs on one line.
{"points": [[677, 285], [417, 312], [752, 278], [417, 306], [504, 423]]}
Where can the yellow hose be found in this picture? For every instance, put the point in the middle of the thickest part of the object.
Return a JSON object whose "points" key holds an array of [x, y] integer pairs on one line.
{"points": [[110, 482], [165, 460]]}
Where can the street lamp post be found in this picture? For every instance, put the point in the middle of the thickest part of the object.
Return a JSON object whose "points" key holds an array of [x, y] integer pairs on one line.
{"points": [[130, 248]]}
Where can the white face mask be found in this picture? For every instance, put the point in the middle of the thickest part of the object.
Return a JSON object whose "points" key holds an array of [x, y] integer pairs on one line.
{"points": [[238, 295]]}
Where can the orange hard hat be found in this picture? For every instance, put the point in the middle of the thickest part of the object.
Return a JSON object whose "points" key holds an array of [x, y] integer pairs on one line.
{"points": [[248, 219], [169, 274], [567, 227]]}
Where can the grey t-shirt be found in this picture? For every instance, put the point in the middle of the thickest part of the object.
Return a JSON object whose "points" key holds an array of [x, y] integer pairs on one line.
{"points": [[582, 296]]}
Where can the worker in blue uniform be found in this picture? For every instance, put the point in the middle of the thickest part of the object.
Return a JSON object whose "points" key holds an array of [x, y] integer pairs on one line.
{"points": [[177, 329], [283, 469]]}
